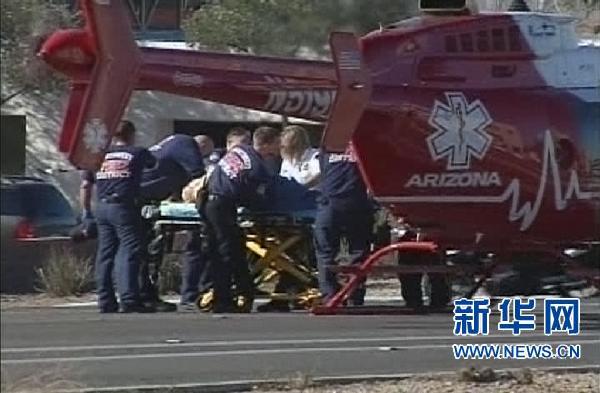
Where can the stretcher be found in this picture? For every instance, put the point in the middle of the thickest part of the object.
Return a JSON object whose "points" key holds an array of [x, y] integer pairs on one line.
{"points": [[278, 246]]}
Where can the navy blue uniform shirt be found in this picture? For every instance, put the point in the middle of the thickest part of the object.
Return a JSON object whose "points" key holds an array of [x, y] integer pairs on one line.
{"points": [[242, 176], [340, 176], [120, 175], [183, 150]]}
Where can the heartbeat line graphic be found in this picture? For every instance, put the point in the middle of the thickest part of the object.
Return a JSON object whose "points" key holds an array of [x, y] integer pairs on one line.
{"points": [[529, 210]]}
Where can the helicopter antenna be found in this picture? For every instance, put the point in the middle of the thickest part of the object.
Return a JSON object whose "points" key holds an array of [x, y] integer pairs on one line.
{"points": [[519, 6]]}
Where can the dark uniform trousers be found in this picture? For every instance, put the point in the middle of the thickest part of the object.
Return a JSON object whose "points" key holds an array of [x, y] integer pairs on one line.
{"points": [[119, 247], [352, 219], [194, 275], [195, 269], [149, 265], [226, 250], [410, 283], [158, 184]]}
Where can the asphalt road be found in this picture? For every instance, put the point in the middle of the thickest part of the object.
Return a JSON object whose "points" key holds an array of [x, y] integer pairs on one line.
{"points": [[131, 350]]}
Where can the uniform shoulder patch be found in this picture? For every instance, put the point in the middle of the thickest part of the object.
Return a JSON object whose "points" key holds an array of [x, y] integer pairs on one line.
{"points": [[234, 162]]}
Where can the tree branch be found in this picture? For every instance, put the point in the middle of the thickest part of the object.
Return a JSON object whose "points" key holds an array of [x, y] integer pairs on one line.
{"points": [[13, 95]]}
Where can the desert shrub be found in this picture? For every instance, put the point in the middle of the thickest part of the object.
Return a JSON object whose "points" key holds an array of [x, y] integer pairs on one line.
{"points": [[65, 273]]}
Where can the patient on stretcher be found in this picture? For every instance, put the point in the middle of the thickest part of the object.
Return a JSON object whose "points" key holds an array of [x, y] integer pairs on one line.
{"points": [[284, 196], [282, 224]]}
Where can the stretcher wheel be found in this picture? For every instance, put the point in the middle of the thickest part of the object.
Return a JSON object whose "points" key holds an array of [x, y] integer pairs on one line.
{"points": [[243, 304], [205, 301]]}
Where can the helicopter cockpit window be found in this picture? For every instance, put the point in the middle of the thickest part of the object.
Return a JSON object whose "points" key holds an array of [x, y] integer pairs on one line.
{"points": [[451, 44], [498, 40], [483, 41], [466, 42], [439, 5]]}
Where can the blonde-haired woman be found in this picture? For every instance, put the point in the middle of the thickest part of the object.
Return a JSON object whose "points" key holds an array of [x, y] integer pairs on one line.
{"points": [[300, 160]]}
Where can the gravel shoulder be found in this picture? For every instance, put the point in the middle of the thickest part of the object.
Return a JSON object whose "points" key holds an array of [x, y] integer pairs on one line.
{"points": [[523, 381]]}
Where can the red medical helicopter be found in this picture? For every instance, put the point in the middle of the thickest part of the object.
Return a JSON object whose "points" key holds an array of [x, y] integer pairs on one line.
{"points": [[480, 129]]}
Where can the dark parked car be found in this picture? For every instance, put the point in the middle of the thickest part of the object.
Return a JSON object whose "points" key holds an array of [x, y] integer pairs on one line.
{"points": [[33, 208], [35, 217]]}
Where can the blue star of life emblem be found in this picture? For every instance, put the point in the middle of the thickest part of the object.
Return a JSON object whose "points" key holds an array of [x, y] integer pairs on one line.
{"points": [[460, 131]]}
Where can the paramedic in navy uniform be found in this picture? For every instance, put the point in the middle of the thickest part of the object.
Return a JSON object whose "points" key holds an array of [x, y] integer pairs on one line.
{"points": [[343, 208], [197, 267], [273, 162], [119, 222], [179, 161], [240, 178]]}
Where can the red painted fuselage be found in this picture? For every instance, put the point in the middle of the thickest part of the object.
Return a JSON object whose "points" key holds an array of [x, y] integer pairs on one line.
{"points": [[486, 127]]}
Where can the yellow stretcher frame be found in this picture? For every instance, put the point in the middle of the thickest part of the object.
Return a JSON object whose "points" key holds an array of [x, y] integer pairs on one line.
{"points": [[272, 248]]}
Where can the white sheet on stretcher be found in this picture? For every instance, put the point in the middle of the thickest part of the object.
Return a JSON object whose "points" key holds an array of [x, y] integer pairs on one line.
{"points": [[178, 210]]}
